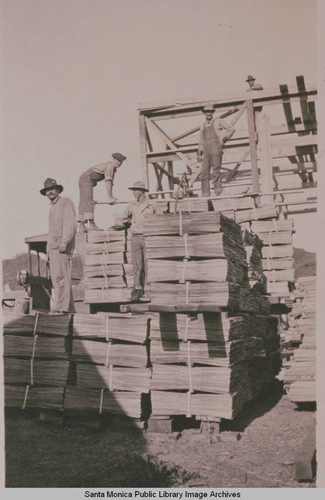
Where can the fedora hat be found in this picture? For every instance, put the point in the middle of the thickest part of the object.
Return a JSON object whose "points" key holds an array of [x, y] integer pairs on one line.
{"points": [[249, 78], [118, 157], [208, 108], [138, 185], [50, 184]]}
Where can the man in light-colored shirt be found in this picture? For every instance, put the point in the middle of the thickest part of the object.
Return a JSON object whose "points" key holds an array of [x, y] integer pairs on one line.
{"points": [[134, 215], [88, 180], [214, 132], [252, 85], [60, 245]]}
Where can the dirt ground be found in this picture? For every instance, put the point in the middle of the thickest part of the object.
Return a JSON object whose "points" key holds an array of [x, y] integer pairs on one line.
{"points": [[256, 450]]}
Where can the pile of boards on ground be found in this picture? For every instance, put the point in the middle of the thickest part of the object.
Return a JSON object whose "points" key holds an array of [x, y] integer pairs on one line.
{"points": [[299, 373], [36, 359], [207, 364]]}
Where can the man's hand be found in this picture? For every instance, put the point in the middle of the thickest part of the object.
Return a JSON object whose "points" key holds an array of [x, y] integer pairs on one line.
{"points": [[63, 247], [112, 201]]}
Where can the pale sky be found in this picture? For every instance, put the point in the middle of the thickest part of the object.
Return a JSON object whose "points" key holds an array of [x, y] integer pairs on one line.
{"points": [[75, 71]]}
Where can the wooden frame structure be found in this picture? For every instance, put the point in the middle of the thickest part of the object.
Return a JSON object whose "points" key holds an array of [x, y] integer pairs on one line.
{"points": [[275, 162]]}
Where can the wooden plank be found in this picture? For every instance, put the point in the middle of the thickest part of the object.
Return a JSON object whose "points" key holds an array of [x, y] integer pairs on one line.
{"points": [[287, 108], [143, 150], [184, 308], [303, 101], [252, 145], [264, 147], [305, 463]]}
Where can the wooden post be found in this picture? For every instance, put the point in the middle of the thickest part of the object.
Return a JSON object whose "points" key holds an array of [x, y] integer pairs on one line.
{"points": [[265, 155], [252, 144], [171, 171], [38, 264], [143, 150], [30, 267]]}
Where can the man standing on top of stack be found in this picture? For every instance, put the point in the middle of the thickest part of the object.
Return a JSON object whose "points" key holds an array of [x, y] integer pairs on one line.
{"points": [[252, 85], [88, 180], [60, 245], [134, 216], [214, 132]]}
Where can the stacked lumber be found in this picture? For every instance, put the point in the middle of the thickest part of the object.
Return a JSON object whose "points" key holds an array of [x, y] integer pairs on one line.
{"points": [[211, 363], [110, 356], [200, 258], [108, 271], [36, 352], [253, 246], [277, 253], [300, 371]]}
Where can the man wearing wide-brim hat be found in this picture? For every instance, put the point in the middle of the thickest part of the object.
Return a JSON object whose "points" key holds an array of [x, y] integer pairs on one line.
{"points": [[88, 180], [252, 85], [134, 217], [214, 132], [60, 245]]}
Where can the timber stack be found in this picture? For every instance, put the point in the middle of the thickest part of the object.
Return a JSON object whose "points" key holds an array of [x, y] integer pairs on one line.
{"points": [[300, 371], [108, 272], [36, 360], [110, 359], [207, 364]]}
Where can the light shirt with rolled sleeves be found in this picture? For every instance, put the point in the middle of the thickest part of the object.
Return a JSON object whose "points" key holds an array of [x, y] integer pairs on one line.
{"points": [[135, 213], [107, 169]]}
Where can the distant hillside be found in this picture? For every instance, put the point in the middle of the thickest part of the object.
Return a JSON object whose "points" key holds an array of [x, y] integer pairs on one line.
{"points": [[304, 263]]}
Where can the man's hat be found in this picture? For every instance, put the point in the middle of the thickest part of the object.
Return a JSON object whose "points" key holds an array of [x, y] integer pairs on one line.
{"points": [[49, 184], [208, 108], [139, 185], [118, 157], [250, 78]]}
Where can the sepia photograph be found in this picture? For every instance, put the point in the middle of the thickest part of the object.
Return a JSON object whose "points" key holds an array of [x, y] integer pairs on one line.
{"points": [[160, 224]]}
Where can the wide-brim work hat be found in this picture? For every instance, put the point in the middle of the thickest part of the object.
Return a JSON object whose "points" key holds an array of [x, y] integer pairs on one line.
{"points": [[138, 185], [250, 78], [208, 108], [50, 184]]}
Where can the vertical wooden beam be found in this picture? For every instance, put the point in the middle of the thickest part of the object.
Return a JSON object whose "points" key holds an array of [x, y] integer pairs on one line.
{"points": [[30, 266], [265, 155], [252, 144], [171, 171], [143, 150], [38, 264]]}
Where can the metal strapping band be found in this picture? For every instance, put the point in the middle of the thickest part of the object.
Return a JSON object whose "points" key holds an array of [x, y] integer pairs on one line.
{"points": [[189, 365], [187, 291], [103, 295], [275, 225], [106, 247], [188, 319], [186, 246], [105, 275], [34, 346], [255, 213], [270, 238], [26, 396], [35, 324], [107, 235], [268, 263], [101, 401], [111, 377], [182, 280], [180, 222], [189, 205], [106, 327], [109, 343], [189, 413], [32, 371], [273, 275]]}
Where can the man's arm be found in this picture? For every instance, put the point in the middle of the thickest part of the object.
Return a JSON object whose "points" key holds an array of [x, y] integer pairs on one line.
{"points": [[109, 189], [227, 130], [200, 150], [69, 224]]}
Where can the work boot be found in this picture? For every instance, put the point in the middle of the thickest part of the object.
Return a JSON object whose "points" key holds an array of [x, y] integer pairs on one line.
{"points": [[93, 227]]}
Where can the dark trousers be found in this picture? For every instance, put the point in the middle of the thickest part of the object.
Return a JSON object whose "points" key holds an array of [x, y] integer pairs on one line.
{"points": [[212, 160], [87, 181], [139, 261]]}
